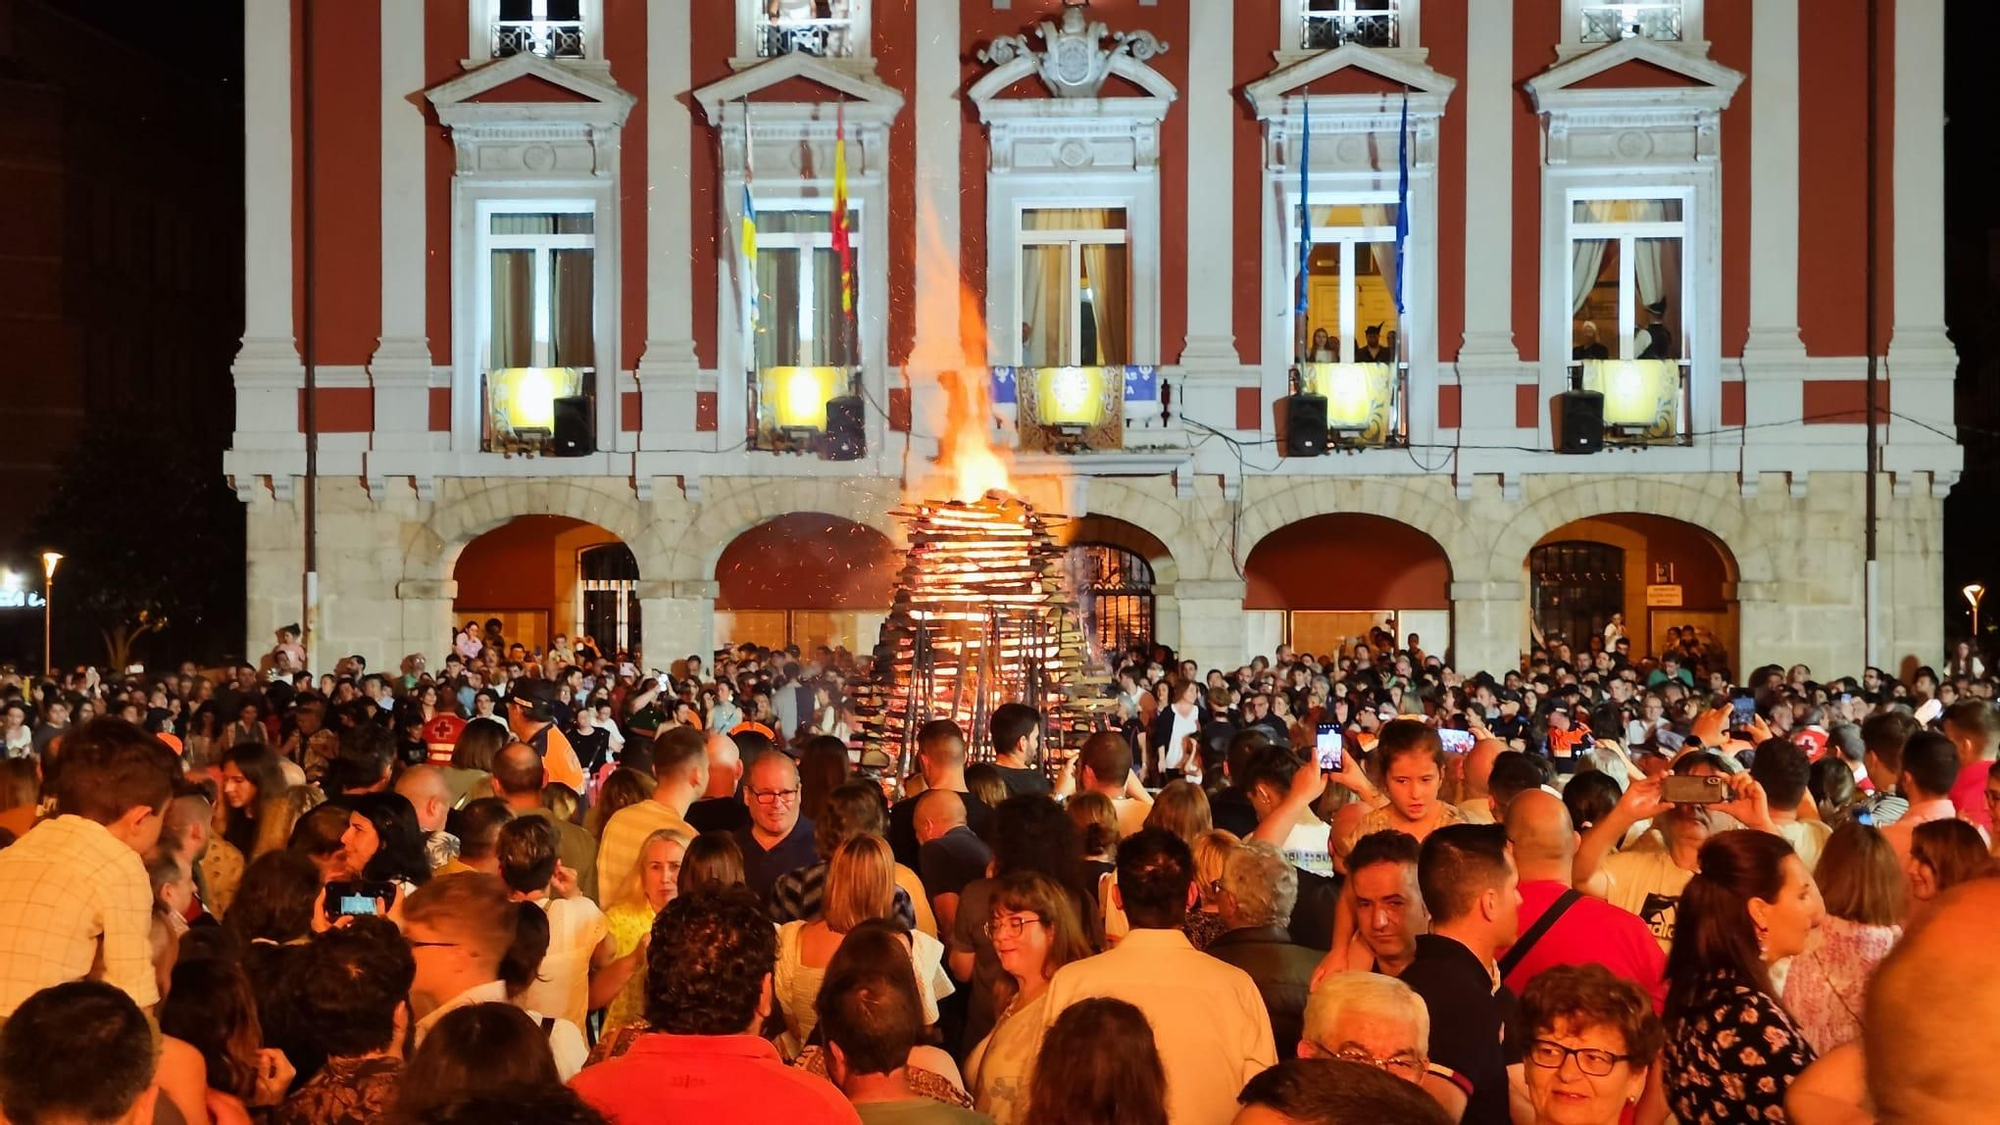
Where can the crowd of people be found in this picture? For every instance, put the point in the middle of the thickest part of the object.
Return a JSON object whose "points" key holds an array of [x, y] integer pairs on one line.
{"points": [[558, 885]]}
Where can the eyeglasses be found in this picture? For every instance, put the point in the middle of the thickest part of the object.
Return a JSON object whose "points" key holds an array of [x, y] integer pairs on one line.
{"points": [[1011, 926], [1551, 1055], [775, 796], [1403, 1064]]}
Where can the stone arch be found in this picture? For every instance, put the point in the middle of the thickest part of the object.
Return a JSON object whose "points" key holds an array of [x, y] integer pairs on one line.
{"points": [[457, 520], [1177, 553], [1717, 509], [1426, 504], [737, 506]]}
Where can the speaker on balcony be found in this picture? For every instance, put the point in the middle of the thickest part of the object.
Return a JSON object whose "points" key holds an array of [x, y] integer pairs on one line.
{"points": [[573, 435], [846, 429], [1580, 415], [1305, 425]]}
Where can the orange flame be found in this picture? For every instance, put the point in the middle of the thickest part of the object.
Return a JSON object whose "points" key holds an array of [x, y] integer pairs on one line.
{"points": [[967, 458]]}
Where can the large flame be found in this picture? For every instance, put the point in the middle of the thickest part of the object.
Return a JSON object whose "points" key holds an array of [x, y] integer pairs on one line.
{"points": [[968, 461]]}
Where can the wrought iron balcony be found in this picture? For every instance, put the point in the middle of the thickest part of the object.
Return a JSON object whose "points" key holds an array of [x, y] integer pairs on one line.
{"points": [[827, 38], [1607, 21], [550, 39], [1326, 24]]}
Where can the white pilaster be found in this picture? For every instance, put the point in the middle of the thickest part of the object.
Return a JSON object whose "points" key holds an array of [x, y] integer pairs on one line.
{"points": [[668, 372], [1211, 301], [1489, 363], [1921, 357], [1774, 187], [401, 366], [267, 369], [938, 346]]}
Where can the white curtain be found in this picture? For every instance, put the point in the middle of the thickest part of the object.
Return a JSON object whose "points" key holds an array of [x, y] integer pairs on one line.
{"points": [[512, 343], [1586, 258], [1104, 267], [1646, 271], [1045, 284]]}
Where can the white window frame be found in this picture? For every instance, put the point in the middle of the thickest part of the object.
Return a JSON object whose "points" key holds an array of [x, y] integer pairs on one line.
{"points": [[1074, 240], [483, 14], [1627, 234], [1291, 33], [1572, 26], [860, 33], [543, 246], [1346, 238], [804, 243]]}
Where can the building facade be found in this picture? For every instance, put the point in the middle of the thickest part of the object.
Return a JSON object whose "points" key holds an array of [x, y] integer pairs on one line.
{"points": [[1138, 245]]}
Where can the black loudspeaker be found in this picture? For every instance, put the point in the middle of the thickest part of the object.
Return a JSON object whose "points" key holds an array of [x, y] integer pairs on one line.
{"points": [[1581, 418], [573, 437], [1305, 425], [846, 430]]}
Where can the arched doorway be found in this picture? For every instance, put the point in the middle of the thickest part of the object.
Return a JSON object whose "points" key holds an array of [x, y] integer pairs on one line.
{"points": [[544, 576], [1122, 575], [1659, 573], [805, 579], [1326, 580]]}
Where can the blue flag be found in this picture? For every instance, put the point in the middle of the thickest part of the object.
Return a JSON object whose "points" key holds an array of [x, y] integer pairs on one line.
{"points": [[1305, 208], [1402, 202]]}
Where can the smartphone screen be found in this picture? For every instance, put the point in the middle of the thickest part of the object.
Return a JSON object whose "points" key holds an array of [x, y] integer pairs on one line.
{"points": [[1328, 745], [1457, 741], [1743, 709], [355, 897]]}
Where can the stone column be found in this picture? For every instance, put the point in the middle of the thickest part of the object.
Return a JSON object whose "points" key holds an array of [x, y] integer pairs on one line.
{"points": [[669, 372], [267, 369], [1489, 360], [1214, 631], [678, 619], [1774, 197], [1211, 338], [401, 366], [1922, 360], [1489, 626], [427, 622]]}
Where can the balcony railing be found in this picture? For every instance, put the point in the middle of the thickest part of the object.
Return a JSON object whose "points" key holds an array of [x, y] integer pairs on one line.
{"points": [[550, 39], [1607, 22], [1073, 409], [1367, 404], [1645, 400], [786, 35], [1326, 24]]}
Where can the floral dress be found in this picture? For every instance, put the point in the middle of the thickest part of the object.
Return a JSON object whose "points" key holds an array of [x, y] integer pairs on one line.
{"points": [[1732, 1054]]}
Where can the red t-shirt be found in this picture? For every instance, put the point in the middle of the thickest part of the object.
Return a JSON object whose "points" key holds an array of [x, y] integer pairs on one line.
{"points": [[672, 1079], [1969, 794], [1591, 931]]}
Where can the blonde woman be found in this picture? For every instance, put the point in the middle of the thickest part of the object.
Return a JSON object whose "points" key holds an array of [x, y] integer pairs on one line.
{"points": [[1204, 923], [860, 885], [620, 987]]}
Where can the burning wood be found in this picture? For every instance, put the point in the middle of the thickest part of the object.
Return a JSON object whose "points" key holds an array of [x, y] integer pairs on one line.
{"points": [[981, 618]]}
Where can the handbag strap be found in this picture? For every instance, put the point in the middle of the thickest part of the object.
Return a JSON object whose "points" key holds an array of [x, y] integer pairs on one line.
{"points": [[1542, 925]]}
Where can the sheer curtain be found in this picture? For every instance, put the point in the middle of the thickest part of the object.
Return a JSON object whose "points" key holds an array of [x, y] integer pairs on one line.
{"points": [[1046, 296], [570, 283], [513, 333], [1646, 271], [1104, 265]]}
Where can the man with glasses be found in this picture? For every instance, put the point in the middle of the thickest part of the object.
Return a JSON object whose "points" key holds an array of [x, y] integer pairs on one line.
{"points": [[778, 840], [1370, 1019]]}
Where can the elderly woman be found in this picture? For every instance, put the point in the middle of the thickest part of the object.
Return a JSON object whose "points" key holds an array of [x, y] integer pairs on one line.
{"points": [[1590, 1037]]}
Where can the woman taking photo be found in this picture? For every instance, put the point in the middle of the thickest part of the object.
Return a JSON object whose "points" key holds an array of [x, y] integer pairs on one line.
{"points": [[1035, 931], [1753, 904], [1862, 886], [1590, 1038], [1098, 1066]]}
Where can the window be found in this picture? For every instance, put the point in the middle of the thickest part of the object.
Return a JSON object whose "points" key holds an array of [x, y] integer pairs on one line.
{"points": [[1117, 595], [552, 29], [1577, 586], [1627, 282], [1075, 288], [607, 597], [799, 321], [540, 318], [1350, 284], [831, 29], [1608, 21], [1326, 24]]}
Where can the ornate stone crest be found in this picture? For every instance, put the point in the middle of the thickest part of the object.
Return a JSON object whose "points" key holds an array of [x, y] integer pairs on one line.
{"points": [[1074, 62]]}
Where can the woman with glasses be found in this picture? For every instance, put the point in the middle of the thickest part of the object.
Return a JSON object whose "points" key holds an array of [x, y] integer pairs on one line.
{"points": [[1590, 1038], [1035, 930]]}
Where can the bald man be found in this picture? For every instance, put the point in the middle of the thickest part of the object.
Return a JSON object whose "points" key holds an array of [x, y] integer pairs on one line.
{"points": [[1933, 1018], [428, 792], [1579, 929], [517, 779], [1473, 800], [719, 808], [941, 760], [949, 856]]}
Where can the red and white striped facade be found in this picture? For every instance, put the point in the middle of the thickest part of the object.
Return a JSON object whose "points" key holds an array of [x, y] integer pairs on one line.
{"points": [[1756, 119]]}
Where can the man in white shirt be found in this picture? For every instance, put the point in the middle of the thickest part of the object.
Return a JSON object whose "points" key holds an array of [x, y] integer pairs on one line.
{"points": [[75, 902], [460, 928], [1209, 1022], [1104, 766]]}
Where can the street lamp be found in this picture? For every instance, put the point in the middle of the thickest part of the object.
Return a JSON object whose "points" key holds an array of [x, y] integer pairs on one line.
{"points": [[1973, 594], [50, 560]]}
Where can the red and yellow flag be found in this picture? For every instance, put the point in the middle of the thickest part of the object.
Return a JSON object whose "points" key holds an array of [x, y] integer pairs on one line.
{"points": [[842, 238]]}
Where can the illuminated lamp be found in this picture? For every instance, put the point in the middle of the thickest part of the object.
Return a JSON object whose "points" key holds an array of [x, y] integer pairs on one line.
{"points": [[1358, 396], [794, 398], [1069, 399], [1639, 394], [525, 397]]}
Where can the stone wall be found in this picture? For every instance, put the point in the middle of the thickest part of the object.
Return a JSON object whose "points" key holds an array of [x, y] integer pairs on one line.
{"points": [[386, 560]]}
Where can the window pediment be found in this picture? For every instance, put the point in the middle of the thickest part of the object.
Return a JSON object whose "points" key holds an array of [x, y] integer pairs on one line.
{"points": [[866, 97], [526, 87], [1271, 95], [1635, 102]]}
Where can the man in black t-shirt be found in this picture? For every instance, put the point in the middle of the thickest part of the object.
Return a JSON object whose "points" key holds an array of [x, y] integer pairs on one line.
{"points": [[1473, 894], [941, 757], [1017, 743]]}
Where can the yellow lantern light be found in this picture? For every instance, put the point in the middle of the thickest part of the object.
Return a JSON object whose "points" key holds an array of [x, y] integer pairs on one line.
{"points": [[794, 398], [525, 397], [1070, 397], [1358, 395], [1639, 393]]}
